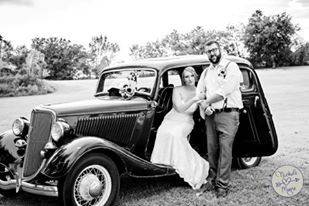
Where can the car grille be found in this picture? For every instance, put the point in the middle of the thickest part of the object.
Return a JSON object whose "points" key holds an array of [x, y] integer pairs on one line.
{"points": [[41, 122], [117, 128]]}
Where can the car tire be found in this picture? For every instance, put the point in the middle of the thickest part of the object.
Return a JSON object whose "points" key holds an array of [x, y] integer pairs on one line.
{"points": [[7, 193], [94, 180], [247, 162]]}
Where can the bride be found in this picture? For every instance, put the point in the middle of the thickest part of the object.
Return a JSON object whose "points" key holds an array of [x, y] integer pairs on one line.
{"points": [[172, 146]]}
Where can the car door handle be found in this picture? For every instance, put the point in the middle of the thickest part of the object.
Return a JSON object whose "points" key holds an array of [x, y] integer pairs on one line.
{"points": [[256, 99]]}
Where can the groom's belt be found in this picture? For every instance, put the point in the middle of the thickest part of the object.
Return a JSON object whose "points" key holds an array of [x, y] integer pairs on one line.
{"points": [[228, 109]]}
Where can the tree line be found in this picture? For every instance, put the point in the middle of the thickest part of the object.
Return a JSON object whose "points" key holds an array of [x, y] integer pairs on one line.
{"points": [[61, 58], [267, 41]]}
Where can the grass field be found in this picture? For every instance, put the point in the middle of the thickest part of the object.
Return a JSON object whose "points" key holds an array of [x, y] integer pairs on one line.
{"points": [[287, 92]]}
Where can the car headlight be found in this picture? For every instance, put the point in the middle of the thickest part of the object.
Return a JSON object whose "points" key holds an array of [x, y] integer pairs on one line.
{"points": [[20, 127], [58, 129]]}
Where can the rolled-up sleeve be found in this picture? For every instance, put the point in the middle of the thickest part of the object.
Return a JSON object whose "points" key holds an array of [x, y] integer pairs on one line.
{"points": [[200, 85], [231, 81]]}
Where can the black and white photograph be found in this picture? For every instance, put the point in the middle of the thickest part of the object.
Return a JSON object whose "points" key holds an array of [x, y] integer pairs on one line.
{"points": [[154, 103]]}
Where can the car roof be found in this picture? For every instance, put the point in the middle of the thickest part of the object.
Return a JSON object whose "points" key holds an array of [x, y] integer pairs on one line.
{"points": [[161, 63]]}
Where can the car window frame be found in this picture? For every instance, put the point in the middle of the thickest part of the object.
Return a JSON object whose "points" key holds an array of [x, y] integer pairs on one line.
{"points": [[164, 76], [254, 87]]}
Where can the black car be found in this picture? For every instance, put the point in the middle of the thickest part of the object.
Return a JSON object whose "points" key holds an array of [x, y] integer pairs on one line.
{"points": [[78, 151]]}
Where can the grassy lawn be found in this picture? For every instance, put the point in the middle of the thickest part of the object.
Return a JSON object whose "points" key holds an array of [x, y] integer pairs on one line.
{"points": [[287, 92]]}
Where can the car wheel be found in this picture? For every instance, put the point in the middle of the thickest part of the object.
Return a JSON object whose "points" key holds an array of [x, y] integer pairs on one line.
{"points": [[7, 193], [93, 181], [247, 162]]}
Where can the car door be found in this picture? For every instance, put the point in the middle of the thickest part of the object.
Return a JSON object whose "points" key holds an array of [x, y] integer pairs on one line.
{"points": [[256, 135]]}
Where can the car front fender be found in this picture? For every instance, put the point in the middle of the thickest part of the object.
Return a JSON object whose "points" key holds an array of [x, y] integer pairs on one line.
{"points": [[64, 158]]}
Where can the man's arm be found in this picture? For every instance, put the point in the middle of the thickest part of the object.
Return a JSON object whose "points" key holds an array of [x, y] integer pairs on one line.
{"points": [[201, 83], [200, 89], [214, 98], [229, 84]]}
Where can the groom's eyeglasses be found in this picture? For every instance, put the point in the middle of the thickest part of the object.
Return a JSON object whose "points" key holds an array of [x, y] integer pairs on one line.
{"points": [[214, 50]]}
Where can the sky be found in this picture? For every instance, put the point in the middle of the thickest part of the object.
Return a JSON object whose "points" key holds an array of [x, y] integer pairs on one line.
{"points": [[129, 22]]}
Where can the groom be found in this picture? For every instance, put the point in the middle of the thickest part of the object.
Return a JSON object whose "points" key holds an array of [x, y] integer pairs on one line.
{"points": [[221, 83]]}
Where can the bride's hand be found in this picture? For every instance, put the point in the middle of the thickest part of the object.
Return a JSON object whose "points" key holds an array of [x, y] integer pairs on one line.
{"points": [[195, 98], [209, 110]]}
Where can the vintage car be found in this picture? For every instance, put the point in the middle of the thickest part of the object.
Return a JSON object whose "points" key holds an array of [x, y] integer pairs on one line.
{"points": [[78, 151]]}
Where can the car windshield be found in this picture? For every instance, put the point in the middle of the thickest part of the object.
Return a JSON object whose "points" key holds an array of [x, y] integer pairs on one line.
{"points": [[127, 82]]}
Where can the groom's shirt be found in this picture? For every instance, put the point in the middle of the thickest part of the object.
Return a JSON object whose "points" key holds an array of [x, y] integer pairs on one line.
{"points": [[223, 79]]}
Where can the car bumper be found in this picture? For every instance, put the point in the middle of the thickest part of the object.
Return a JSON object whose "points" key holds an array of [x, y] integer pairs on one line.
{"points": [[45, 190]]}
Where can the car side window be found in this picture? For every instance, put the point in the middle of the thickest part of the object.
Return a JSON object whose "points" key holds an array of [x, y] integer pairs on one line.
{"points": [[248, 81], [174, 78], [174, 75]]}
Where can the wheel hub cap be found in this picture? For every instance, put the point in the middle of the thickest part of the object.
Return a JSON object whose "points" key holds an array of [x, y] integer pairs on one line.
{"points": [[249, 160], [95, 189], [90, 187], [93, 186]]}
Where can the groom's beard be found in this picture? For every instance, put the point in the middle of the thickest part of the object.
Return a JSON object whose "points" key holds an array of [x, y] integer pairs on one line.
{"points": [[214, 59]]}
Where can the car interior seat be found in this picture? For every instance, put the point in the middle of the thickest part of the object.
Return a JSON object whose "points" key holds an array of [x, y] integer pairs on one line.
{"points": [[165, 102]]}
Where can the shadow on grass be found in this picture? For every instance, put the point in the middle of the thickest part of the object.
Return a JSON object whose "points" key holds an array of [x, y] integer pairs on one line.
{"points": [[248, 187], [135, 188], [22, 199]]}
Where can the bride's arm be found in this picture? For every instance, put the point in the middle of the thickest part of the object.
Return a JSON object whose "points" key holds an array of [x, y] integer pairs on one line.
{"points": [[180, 105]]}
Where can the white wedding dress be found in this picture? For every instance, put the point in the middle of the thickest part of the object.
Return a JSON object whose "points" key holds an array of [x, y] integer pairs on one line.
{"points": [[173, 148]]}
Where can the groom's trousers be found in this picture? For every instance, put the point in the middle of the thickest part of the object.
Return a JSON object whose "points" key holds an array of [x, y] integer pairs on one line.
{"points": [[221, 129]]}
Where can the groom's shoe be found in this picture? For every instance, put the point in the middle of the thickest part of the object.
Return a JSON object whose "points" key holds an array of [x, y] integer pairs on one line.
{"points": [[208, 187], [221, 192]]}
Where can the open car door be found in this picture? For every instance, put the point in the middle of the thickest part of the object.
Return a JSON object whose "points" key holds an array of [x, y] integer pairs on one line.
{"points": [[256, 135]]}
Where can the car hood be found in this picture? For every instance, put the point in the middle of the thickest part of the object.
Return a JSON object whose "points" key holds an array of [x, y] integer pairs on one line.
{"points": [[98, 105]]}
